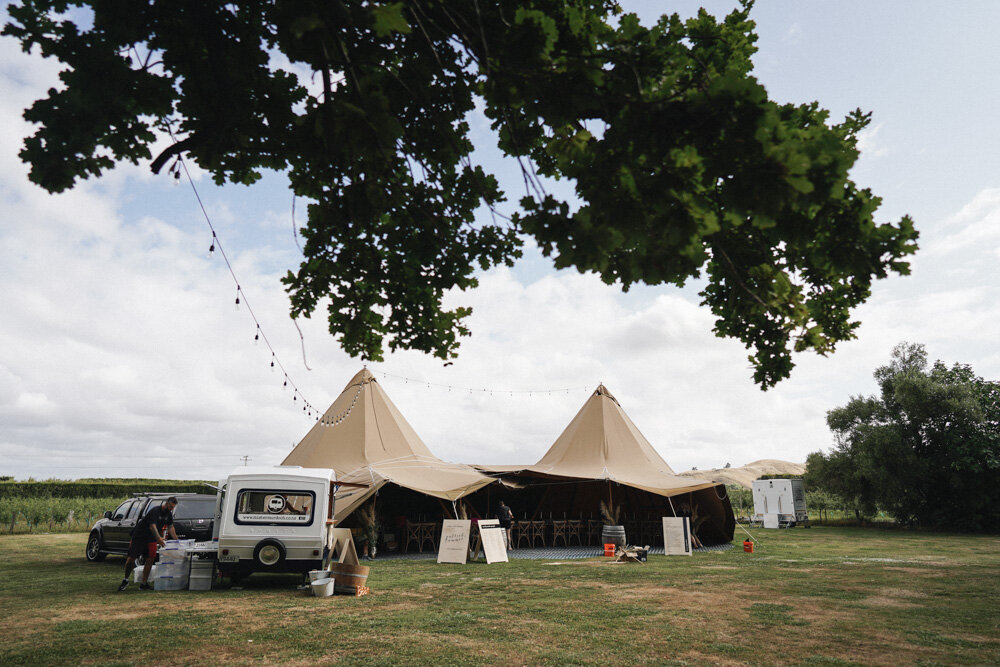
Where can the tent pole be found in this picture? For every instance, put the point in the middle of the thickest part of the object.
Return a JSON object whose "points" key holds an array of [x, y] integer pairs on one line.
{"points": [[541, 502]]}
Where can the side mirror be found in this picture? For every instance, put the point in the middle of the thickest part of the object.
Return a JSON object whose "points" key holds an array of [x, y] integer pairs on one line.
{"points": [[107, 515]]}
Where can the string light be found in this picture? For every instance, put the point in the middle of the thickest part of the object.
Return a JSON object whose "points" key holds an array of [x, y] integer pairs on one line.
{"points": [[178, 166], [338, 418]]}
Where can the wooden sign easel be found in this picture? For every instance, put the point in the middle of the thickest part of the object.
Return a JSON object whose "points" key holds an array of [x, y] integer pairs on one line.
{"points": [[341, 542]]}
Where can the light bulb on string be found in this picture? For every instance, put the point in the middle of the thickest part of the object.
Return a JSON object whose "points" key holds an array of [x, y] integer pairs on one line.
{"points": [[211, 248], [237, 297], [256, 336], [272, 362]]}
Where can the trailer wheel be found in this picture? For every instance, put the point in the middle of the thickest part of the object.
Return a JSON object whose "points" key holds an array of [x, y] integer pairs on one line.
{"points": [[269, 553]]}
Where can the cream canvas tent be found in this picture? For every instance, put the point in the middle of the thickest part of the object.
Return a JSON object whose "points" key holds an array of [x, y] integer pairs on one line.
{"points": [[746, 474], [608, 456], [366, 440]]}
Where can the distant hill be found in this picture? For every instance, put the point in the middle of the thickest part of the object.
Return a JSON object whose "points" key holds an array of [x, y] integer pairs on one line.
{"points": [[745, 475]]}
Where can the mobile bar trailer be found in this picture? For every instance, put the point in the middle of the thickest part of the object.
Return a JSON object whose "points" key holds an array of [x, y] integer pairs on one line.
{"points": [[276, 519]]}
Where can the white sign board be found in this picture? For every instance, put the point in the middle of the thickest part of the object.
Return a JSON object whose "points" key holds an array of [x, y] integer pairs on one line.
{"points": [[455, 541], [494, 545], [677, 536], [770, 520]]}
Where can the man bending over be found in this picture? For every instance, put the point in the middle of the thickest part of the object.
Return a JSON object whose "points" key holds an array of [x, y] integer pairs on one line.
{"points": [[147, 538]]}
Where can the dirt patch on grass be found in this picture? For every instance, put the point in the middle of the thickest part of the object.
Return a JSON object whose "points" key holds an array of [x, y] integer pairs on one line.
{"points": [[883, 601], [708, 659], [894, 597]]}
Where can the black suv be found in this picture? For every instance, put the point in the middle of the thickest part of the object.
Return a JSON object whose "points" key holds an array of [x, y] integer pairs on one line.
{"points": [[193, 519]]}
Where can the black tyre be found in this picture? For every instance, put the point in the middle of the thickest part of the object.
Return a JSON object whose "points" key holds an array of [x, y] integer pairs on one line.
{"points": [[269, 554], [94, 546]]}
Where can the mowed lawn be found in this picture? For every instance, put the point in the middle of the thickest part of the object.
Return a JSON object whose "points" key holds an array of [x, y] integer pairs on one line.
{"points": [[820, 595]]}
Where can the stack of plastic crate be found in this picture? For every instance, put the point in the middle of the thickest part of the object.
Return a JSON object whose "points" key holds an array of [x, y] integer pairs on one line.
{"points": [[173, 567]]}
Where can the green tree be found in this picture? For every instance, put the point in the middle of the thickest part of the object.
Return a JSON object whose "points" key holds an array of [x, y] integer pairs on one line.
{"points": [[926, 450], [682, 166], [741, 499]]}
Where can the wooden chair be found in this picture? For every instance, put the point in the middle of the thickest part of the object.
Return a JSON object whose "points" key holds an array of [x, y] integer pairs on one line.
{"points": [[573, 529], [523, 530], [428, 532], [559, 531], [538, 532], [594, 531], [412, 535]]}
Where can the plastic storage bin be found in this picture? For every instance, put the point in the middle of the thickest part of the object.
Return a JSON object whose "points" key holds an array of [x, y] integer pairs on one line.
{"points": [[202, 574], [166, 582]]}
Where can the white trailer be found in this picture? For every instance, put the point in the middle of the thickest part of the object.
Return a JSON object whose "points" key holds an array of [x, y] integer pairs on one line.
{"points": [[780, 502], [275, 519]]}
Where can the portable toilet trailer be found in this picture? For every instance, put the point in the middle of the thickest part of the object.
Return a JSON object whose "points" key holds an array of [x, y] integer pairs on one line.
{"points": [[780, 503]]}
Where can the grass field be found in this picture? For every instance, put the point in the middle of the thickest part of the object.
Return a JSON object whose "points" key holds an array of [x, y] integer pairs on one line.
{"points": [[819, 596]]}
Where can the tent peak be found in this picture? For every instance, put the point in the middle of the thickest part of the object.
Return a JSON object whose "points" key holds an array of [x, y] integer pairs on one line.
{"points": [[603, 391], [362, 377]]}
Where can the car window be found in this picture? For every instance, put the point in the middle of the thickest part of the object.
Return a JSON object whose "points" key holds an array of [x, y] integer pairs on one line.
{"points": [[134, 510], [122, 510], [195, 509]]}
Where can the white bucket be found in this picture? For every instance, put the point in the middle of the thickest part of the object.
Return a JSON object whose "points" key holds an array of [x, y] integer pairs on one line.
{"points": [[318, 574], [322, 588]]}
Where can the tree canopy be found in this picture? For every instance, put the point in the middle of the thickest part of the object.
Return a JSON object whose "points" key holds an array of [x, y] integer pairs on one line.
{"points": [[926, 450], [682, 165]]}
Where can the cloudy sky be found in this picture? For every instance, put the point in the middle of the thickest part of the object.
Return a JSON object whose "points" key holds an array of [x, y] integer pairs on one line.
{"points": [[122, 352]]}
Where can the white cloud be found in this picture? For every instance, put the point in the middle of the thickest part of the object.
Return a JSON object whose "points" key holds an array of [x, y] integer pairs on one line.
{"points": [[869, 143], [794, 34], [124, 354]]}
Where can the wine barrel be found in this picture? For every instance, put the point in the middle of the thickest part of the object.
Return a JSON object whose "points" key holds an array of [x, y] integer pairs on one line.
{"points": [[347, 578], [613, 535]]}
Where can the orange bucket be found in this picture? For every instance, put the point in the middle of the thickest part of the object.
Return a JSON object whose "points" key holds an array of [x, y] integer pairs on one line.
{"points": [[609, 550], [748, 546]]}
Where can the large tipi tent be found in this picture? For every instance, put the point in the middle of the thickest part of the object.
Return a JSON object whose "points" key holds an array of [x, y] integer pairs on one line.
{"points": [[366, 440], [603, 451]]}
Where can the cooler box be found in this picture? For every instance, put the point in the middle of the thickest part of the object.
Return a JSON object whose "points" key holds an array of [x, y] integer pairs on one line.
{"points": [[202, 574]]}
